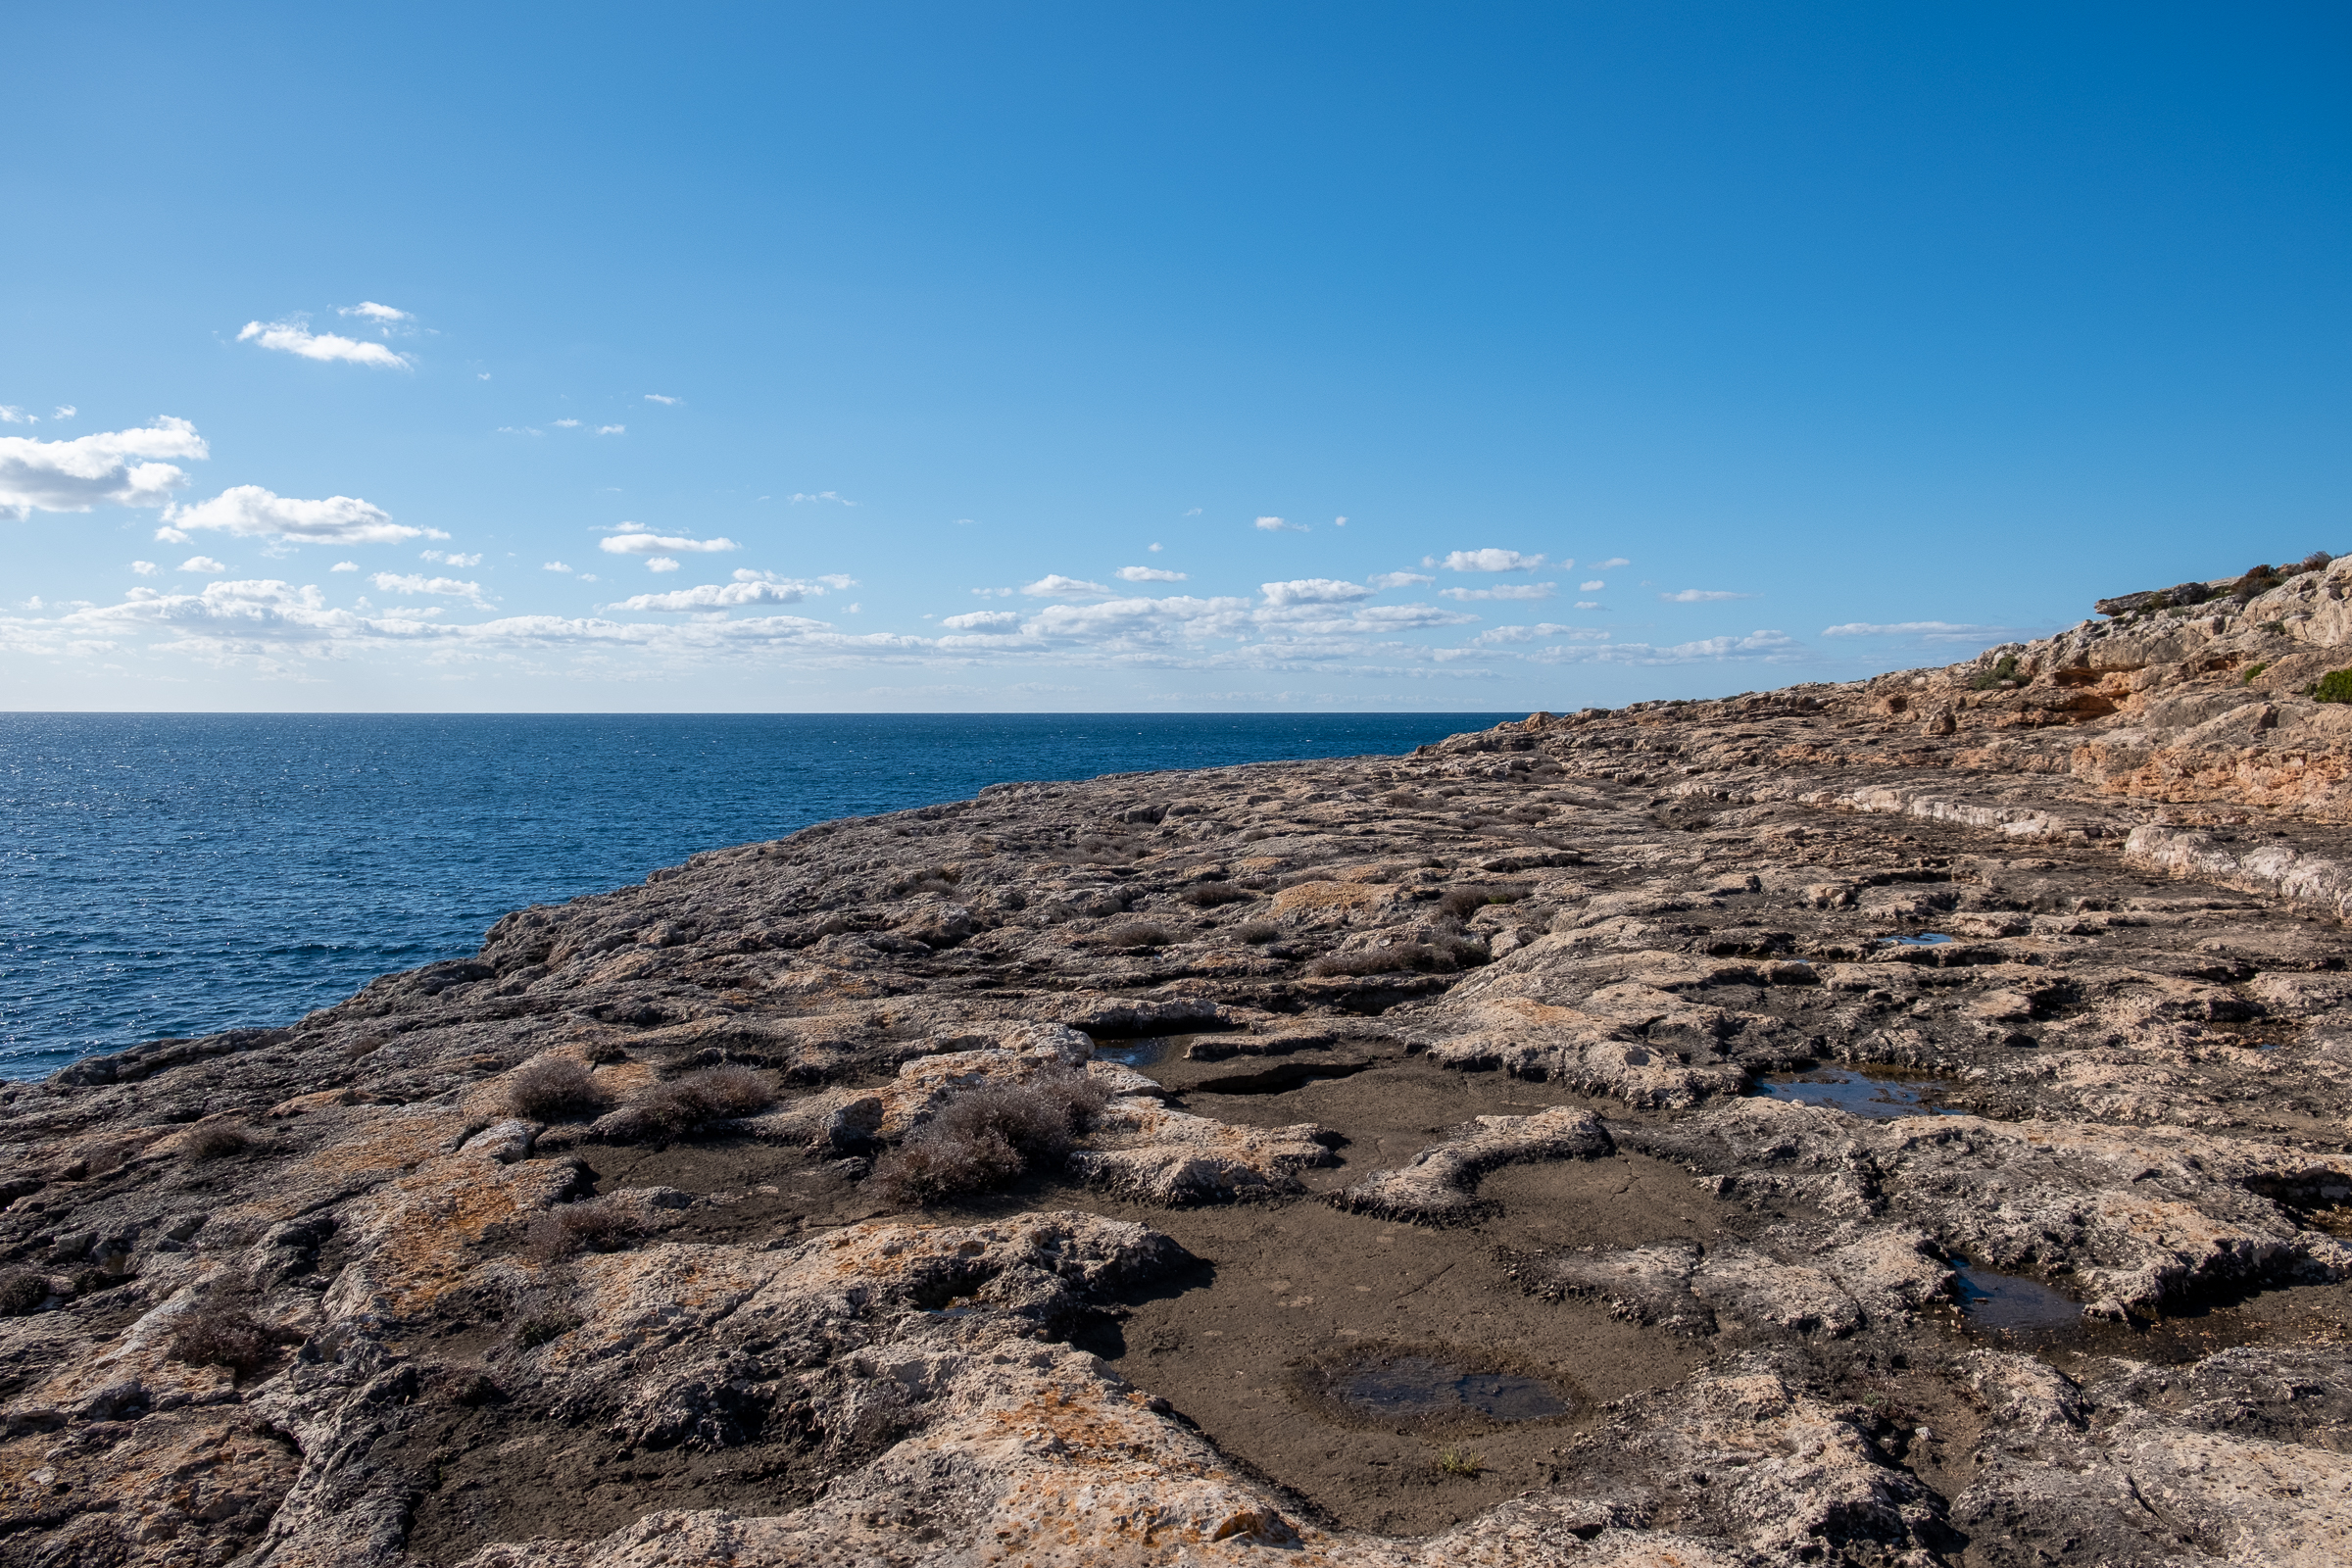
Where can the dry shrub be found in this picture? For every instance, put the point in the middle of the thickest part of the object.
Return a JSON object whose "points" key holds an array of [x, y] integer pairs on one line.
{"points": [[1141, 934], [552, 1087], [597, 1225], [535, 1331], [1258, 931], [1426, 957], [990, 1135], [1471, 897], [218, 1141], [1208, 894], [714, 1094], [223, 1332], [22, 1291]]}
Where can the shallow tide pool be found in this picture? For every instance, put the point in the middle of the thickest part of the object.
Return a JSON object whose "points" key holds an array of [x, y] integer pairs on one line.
{"points": [[1878, 1095], [2009, 1303]]}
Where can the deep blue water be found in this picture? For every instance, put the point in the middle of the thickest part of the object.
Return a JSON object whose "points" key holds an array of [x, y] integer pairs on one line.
{"points": [[178, 874]]}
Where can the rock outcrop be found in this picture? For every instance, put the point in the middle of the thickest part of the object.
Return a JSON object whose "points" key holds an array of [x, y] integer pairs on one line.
{"points": [[1907, 1121]]}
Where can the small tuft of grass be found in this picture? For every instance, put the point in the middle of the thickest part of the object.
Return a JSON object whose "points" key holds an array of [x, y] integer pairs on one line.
{"points": [[1139, 934], [2252, 670], [990, 1135], [1257, 931], [2333, 687], [1208, 894], [714, 1094], [2006, 670], [1423, 957], [552, 1087], [220, 1141], [1455, 1460], [22, 1291], [1467, 899], [536, 1330], [597, 1225], [223, 1332], [476, 1391]]}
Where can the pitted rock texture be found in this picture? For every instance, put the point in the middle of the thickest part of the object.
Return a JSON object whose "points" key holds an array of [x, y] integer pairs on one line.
{"points": [[1479, 1048]]}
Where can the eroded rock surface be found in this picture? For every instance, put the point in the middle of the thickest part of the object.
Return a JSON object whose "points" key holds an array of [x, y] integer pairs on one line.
{"points": [[574, 1252]]}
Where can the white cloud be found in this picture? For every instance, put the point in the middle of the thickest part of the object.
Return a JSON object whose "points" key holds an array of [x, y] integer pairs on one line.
{"points": [[555, 565], [1934, 632], [145, 568], [1489, 559], [1588, 604], [834, 495], [1613, 561], [1149, 573], [1154, 549], [994, 593], [449, 558], [1314, 591], [1592, 587], [1277, 525], [568, 425], [344, 565], [637, 542], [112, 466], [661, 563], [64, 410], [374, 312], [201, 563], [1772, 647], [1053, 585], [981, 621], [611, 429], [1382, 581], [1701, 596], [1338, 522], [250, 510], [1527, 634], [294, 336], [10, 414], [656, 397], [1522, 589], [747, 588], [439, 587]]}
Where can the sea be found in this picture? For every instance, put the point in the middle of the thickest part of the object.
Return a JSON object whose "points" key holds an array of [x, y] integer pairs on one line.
{"points": [[172, 875]]}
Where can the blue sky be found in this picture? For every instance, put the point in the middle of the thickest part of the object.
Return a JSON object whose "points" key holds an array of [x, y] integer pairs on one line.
{"points": [[997, 357]]}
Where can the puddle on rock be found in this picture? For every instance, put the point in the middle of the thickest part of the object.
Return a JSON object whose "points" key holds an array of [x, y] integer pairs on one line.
{"points": [[1421, 1388], [1143, 1053], [2009, 1304], [1845, 1089], [1925, 939]]}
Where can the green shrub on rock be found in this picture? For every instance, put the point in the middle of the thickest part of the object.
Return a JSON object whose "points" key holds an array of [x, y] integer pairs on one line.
{"points": [[2333, 687]]}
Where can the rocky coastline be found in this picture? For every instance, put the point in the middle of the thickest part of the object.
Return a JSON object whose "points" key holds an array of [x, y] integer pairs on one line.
{"points": [[1906, 1122]]}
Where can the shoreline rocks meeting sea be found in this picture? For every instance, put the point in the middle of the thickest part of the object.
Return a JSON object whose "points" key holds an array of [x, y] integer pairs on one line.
{"points": [[1904, 1121]]}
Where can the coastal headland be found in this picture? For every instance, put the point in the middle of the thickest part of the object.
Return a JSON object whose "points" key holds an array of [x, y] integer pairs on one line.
{"points": [[1905, 1121]]}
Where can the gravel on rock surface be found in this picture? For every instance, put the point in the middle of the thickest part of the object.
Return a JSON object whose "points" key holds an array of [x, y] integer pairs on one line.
{"points": [[1236, 1090]]}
